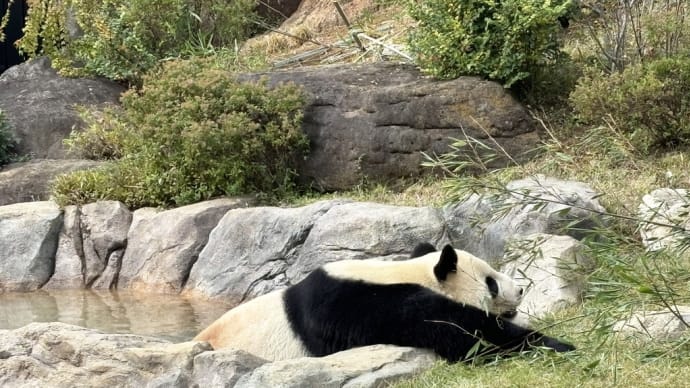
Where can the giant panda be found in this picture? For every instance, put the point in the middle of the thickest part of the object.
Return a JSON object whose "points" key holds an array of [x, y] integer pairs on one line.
{"points": [[445, 301]]}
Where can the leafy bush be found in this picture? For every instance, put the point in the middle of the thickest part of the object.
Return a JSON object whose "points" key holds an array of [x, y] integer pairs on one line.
{"points": [[499, 40], [649, 101], [121, 39], [7, 143], [193, 132]]}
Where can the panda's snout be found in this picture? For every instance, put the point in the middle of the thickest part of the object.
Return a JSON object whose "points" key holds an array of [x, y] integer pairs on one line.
{"points": [[521, 291]]}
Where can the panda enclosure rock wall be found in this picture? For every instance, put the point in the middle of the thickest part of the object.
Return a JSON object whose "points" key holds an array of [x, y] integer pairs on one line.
{"points": [[228, 249]]}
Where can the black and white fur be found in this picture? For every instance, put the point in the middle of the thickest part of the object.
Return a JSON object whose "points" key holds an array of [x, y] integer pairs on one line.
{"points": [[440, 301]]}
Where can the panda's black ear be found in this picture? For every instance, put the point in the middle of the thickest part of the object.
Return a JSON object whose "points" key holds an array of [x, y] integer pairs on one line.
{"points": [[447, 263], [422, 249]]}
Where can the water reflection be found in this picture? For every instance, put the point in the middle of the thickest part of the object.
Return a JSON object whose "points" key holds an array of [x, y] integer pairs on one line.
{"points": [[170, 317]]}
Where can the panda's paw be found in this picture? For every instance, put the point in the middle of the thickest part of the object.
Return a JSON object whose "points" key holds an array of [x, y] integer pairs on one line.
{"points": [[557, 345]]}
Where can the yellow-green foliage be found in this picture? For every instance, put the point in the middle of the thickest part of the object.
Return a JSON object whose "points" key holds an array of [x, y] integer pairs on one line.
{"points": [[191, 133], [649, 102], [123, 39]]}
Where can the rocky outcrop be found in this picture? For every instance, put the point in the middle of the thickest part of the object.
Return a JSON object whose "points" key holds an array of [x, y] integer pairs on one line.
{"points": [[373, 121], [664, 218], [40, 105], [61, 355], [551, 268], [28, 241], [30, 181]]}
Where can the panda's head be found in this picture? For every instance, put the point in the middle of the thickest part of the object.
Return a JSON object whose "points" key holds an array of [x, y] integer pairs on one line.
{"points": [[468, 279]]}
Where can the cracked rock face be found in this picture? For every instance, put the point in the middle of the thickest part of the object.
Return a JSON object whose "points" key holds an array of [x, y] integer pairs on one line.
{"points": [[372, 121]]}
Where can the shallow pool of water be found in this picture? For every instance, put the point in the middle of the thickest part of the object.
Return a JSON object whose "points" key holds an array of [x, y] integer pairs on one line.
{"points": [[171, 317]]}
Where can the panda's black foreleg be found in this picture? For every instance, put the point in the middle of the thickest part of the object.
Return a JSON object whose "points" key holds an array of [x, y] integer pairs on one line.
{"points": [[454, 331], [508, 336]]}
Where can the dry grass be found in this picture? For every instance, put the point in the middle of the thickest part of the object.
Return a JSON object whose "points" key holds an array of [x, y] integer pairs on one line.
{"points": [[317, 25]]}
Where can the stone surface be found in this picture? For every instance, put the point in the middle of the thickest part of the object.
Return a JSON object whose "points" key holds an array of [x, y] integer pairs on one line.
{"points": [[30, 181], [249, 251], [551, 268], [69, 263], [104, 226], [163, 246], [373, 121], [657, 325], [28, 241], [92, 241], [223, 368], [370, 366], [482, 224], [665, 218], [40, 105], [61, 355], [364, 230], [257, 250]]}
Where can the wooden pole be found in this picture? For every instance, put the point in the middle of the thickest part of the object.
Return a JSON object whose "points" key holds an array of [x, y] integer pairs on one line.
{"points": [[347, 23]]}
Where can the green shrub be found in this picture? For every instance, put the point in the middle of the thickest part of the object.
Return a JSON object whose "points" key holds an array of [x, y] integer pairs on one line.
{"points": [[499, 40], [649, 102], [121, 40], [7, 143], [191, 133], [104, 137]]}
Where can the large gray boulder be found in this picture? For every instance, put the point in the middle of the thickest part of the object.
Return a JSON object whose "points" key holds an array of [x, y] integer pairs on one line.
{"points": [[30, 181], [250, 250], [40, 105], [363, 230], [28, 241], [373, 121], [164, 245], [257, 250]]}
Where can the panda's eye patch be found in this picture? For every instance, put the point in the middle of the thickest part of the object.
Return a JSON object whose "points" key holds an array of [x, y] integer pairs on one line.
{"points": [[493, 286]]}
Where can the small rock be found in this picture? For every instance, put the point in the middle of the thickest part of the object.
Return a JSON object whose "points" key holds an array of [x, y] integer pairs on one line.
{"points": [[551, 268], [223, 368], [664, 206], [657, 325]]}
